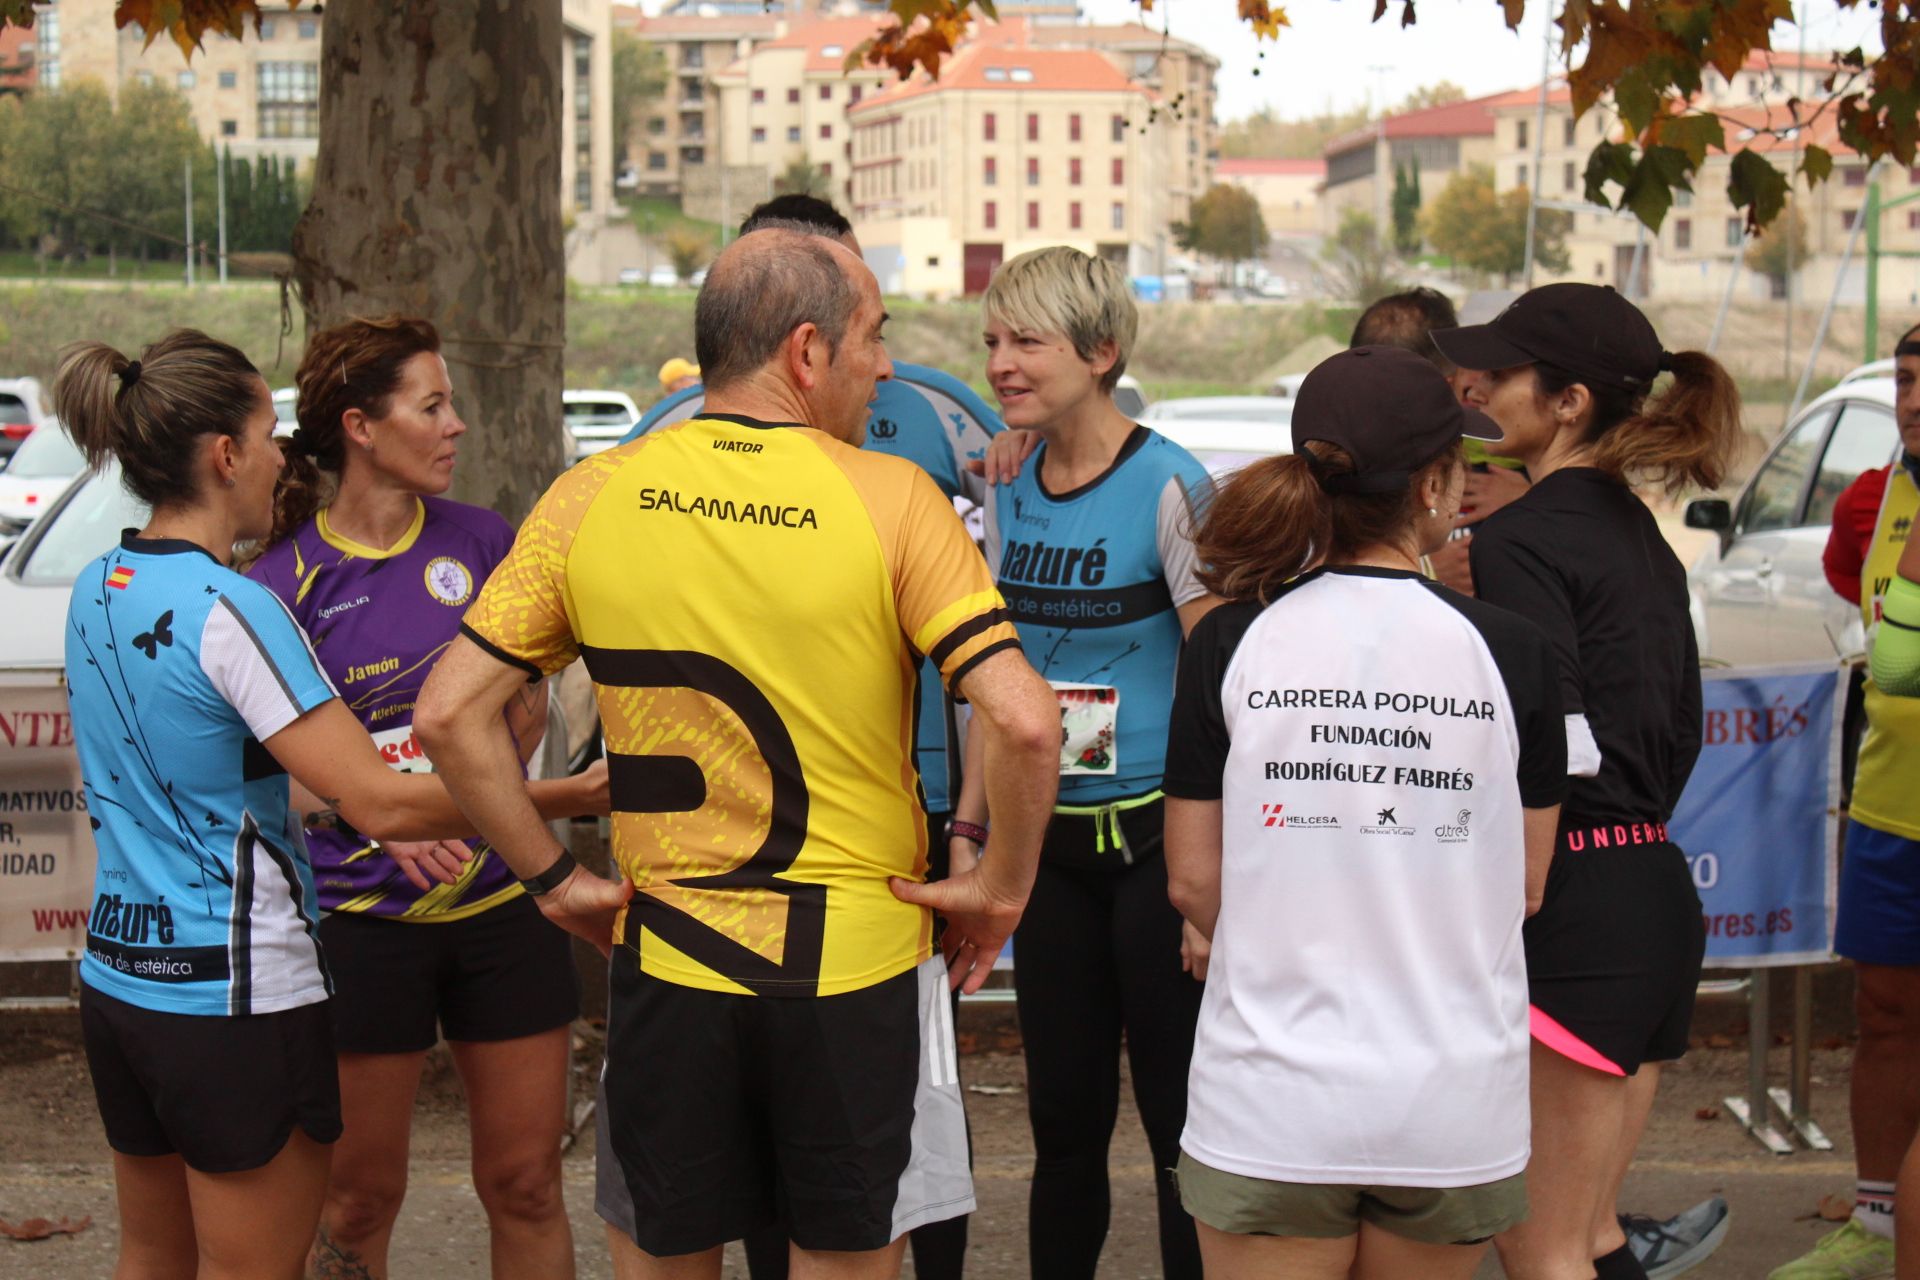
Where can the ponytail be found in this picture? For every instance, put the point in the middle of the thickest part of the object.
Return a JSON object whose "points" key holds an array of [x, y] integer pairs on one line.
{"points": [[1273, 520], [148, 414], [1686, 435]]}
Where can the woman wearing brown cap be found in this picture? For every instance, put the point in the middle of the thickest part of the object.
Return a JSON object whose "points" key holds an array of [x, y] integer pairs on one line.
{"points": [[1359, 828], [1613, 955]]}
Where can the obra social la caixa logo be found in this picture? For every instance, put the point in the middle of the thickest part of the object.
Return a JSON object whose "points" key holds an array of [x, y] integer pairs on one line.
{"points": [[1387, 824], [1272, 815]]}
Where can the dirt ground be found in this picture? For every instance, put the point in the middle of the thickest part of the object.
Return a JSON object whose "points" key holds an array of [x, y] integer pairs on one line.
{"points": [[54, 1162]]}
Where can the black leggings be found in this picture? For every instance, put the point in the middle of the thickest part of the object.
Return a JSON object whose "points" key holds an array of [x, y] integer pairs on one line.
{"points": [[1098, 953]]}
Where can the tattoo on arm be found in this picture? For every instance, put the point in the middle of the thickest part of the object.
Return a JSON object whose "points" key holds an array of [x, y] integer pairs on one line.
{"points": [[332, 1261]]}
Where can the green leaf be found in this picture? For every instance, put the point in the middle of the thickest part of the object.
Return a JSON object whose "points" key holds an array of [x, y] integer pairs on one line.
{"points": [[1649, 192], [989, 8], [1637, 98], [1816, 163], [1755, 185], [1695, 135], [1608, 162]]}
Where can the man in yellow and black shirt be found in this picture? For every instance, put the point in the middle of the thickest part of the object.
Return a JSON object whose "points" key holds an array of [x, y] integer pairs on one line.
{"points": [[752, 593]]}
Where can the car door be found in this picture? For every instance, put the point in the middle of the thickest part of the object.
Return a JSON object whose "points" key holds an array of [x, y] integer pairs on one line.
{"points": [[1809, 620], [1739, 591]]}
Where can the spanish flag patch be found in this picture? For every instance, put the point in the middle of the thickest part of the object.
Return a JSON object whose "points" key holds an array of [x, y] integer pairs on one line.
{"points": [[120, 577]]}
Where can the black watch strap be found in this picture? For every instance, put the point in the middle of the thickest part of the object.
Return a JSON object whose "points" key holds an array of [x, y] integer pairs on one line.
{"points": [[549, 880]]}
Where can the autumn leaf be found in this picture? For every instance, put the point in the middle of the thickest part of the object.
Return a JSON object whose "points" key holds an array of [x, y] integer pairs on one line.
{"points": [[1816, 163], [1514, 11], [1693, 134], [1738, 29], [1609, 162], [16, 13], [41, 1228], [1757, 187], [188, 21], [1266, 20], [1649, 190]]}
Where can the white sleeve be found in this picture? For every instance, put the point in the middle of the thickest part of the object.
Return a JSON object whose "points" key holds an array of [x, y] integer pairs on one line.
{"points": [[1583, 753], [1173, 530], [261, 663]]}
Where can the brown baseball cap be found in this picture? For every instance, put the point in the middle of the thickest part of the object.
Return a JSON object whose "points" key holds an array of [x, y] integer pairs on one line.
{"points": [[1389, 409], [1586, 330]]}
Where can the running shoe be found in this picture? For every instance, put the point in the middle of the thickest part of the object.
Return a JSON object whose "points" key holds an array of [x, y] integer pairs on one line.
{"points": [[1679, 1244], [1851, 1253]]}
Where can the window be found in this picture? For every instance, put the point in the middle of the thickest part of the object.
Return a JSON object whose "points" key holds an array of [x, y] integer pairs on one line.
{"points": [[1913, 176], [1119, 216], [656, 160], [1567, 176], [826, 93], [1864, 438], [991, 215], [656, 125], [759, 95], [1520, 176], [229, 79], [289, 94], [793, 95], [1073, 215], [988, 129], [854, 93], [1913, 219], [1519, 133], [826, 169], [1119, 171], [1033, 215], [229, 128], [990, 172], [1774, 500], [269, 28], [759, 134], [793, 133], [1848, 217], [1073, 172], [1855, 176], [185, 79], [309, 28], [1033, 171], [1683, 233], [826, 132], [693, 56], [1566, 131], [1073, 127], [1033, 126], [1736, 233], [1021, 75], [1119, 128]]}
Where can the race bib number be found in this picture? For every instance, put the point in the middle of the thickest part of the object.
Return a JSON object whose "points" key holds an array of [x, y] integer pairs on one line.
{"points": [[1088, 715], [401, 750]]}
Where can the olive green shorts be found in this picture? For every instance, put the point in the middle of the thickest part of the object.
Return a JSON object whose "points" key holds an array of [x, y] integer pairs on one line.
{"points": [[1240, 1205]]}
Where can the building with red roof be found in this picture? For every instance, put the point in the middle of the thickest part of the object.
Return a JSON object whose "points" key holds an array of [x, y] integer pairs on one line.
{"points": [[1440, 141]]}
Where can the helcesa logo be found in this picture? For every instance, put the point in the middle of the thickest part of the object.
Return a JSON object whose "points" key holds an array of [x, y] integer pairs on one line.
{"points": [[1270, 815]]}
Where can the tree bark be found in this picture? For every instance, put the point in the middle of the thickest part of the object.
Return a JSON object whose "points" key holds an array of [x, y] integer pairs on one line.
{"points": [[437, 193]]}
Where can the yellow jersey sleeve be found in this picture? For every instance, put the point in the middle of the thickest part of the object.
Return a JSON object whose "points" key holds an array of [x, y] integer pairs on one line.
{"points": [[523, 615], [943, 592]]}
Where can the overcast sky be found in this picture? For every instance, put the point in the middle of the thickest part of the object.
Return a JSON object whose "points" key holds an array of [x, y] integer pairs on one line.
{"points": [[1327, 57]]}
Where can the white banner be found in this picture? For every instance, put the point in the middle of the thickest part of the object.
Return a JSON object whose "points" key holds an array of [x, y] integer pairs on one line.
{"points": [[46, 845]]}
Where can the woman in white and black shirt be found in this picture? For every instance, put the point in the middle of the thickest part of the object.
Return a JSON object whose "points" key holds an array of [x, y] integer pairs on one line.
{"points": [[1363, 777]]}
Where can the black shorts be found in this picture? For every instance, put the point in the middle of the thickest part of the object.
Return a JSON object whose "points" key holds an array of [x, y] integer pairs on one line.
{"points": [[224, 1092], [838, 1116], [1613, 954], [499, 975]]}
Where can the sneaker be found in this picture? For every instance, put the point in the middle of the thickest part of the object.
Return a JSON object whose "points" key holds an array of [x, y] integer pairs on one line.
{"points": [[1851, 1253], [1679, 1244]]}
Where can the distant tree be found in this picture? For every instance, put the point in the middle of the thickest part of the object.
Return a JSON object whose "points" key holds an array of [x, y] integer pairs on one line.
{"points": [[688, 251], [802, 177], [1432, 95], [1359, 268], [1226, 224], [1406, 208], [1264, 134], [639, 78], [1781, 249], [1486, 232]]}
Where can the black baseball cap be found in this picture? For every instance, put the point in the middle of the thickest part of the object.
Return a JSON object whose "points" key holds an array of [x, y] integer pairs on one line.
{"points": [[1586, 330], [1392, 412]]}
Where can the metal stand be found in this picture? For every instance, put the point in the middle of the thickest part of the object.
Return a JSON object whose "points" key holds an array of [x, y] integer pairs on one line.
{"points": [[1752, 1111], [1758, 1109], [1795, 1104]]}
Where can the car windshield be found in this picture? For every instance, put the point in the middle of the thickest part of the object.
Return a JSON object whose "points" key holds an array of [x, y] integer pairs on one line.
{"points": [[81, 529], [45, 454], [1255, 409], [598, 413], [13, 409]]}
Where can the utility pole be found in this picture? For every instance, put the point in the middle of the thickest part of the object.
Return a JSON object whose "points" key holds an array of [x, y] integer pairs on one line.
{"points": [[189, 168], [220, 185], [1539, 140]]}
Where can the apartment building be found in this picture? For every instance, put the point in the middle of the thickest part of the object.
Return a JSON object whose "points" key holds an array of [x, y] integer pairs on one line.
{"points": [[1288, 191], [261, 95], [1443, 141], [681, 129], [1012, 148]]}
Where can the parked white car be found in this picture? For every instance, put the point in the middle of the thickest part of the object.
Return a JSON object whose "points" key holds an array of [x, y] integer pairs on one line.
{"points": [[41, 469], [1273, 409], [1128, 397], [22, 412], [1759, 594], [598, 419]]}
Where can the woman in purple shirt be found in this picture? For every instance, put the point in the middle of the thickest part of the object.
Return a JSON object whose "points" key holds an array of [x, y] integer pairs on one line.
{"points": [[423, 939]]}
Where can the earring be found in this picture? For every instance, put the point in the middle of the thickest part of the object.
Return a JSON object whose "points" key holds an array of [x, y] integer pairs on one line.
{"points": [[1433, 511], [229, 482]]}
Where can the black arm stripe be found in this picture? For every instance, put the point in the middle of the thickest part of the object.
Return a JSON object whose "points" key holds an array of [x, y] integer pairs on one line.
{"points": [[1892, 621], [534, 674], [960, 673], [966, 631]]}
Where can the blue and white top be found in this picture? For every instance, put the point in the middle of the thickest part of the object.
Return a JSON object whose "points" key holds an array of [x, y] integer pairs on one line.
{"points": [[934, 420], [1093, 578], [178, 669]]}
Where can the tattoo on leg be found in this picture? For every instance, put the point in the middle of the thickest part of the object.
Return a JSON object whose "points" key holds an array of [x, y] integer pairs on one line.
{"points": [[332, 1261]]}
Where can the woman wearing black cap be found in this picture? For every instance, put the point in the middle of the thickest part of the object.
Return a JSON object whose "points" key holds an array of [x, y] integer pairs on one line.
{"points": [[1613, 956], [1359, 828]]}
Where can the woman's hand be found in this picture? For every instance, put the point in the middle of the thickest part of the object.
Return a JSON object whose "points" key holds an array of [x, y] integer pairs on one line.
{"points": [[1006, 454], [594, 797], [1195, 951], [424, 861]]}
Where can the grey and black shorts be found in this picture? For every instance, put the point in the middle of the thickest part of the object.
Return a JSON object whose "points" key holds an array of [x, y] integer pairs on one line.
{"points": [[838, 1116]]}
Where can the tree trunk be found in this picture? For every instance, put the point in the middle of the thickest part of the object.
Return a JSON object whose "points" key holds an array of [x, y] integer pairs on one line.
{"points": [[437, 193]]}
